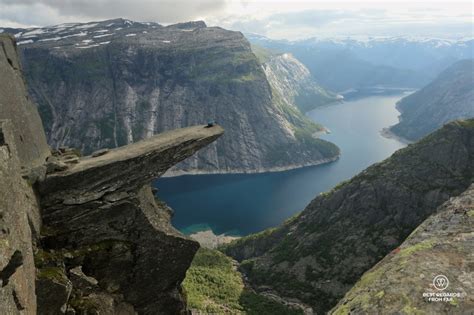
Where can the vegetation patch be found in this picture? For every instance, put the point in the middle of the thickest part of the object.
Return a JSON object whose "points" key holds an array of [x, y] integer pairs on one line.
{"points": [[213, 285], [415, 248], [263, 54], [55, 274]]}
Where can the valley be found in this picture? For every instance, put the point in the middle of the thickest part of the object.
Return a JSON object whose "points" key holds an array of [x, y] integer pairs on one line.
{"points": [[239, 204], [198, 168]]}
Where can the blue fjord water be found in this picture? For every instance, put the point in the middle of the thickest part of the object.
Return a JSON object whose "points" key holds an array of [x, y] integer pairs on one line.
{"points": [[239, 204]]}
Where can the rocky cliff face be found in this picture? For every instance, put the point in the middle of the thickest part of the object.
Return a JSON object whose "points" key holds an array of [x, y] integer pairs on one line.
{"points": [[294, 83], [85, 235], [449, 97], [403, 282], [23, 150], [317, 256], [112, 83]]}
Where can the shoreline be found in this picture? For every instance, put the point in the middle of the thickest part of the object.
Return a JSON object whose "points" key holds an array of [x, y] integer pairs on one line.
{"points": [[387, 133], [210, 240], [177, 173]]}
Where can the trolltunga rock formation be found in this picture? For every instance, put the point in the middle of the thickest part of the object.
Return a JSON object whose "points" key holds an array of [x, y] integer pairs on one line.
{"points": [[83, 235]]}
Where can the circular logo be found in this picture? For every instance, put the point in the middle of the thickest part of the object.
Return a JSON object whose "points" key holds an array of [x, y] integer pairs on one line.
{"points": [[440, 282]]}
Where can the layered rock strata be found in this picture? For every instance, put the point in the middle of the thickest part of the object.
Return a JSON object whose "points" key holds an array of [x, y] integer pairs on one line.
{"points": [[85, 235]]}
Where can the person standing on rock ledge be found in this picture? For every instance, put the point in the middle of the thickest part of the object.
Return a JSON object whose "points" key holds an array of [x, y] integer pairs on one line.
{"points": [[211, 123]]}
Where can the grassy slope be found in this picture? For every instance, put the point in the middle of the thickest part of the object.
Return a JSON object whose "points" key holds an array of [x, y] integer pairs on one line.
{"points": [[213, 285]]}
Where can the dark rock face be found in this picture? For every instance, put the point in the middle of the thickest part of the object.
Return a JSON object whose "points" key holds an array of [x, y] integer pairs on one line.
{"points": [[85, 235], [128, 247], [442, 245], [102, 216], [112, 83], [320, 254], [53, 291], [449, 97]]}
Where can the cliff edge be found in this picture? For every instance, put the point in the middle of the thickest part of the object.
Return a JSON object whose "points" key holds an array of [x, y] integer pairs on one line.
{"points": [[86, 234]]}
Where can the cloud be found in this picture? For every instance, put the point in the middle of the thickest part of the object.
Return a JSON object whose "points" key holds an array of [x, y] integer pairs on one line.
{"points": [[289, 19], [48, 12], [310, 18], [377, 21]]}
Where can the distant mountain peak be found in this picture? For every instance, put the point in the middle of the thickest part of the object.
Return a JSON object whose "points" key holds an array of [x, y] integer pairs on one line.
{"points": [[93, 34]]}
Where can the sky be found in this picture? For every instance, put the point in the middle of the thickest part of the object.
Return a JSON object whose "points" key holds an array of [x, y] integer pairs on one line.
{"points": [[276, 19]]}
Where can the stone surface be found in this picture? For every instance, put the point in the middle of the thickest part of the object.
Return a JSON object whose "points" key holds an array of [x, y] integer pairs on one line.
{"points": [[17, 270], [210, 240], [99, 152], [123, 169], [442, 245], [88, 297], [129, 247], [23, 150], [318, 255], [15, 106], [53, 290], [53, 164]]}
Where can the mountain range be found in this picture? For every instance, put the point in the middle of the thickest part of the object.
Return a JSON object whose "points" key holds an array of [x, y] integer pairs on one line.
{"points": [[342, 64], [87, 235], [111, 83]]}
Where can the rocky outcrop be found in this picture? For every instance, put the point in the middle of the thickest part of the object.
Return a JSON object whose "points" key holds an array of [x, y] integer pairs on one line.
{"points": [[318, 255], [23, 149], [27, 128], [113, 175], [112, 83], [17, 204], [404, 281], [85, 235], [100, 215], [449, 97]]}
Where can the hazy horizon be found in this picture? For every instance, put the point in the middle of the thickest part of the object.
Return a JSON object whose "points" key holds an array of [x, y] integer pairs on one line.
{"points": [[273, 19]]}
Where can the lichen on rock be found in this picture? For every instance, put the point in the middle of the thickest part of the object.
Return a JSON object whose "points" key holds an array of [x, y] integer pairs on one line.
{"points": [[403, 280]]}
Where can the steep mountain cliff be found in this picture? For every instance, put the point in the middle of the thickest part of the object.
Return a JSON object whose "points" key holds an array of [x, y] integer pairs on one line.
{"points": [[294, 83], [318, 255], [23, 150], [449, 97], [404, 281], [85, 235], [107, 84]]}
